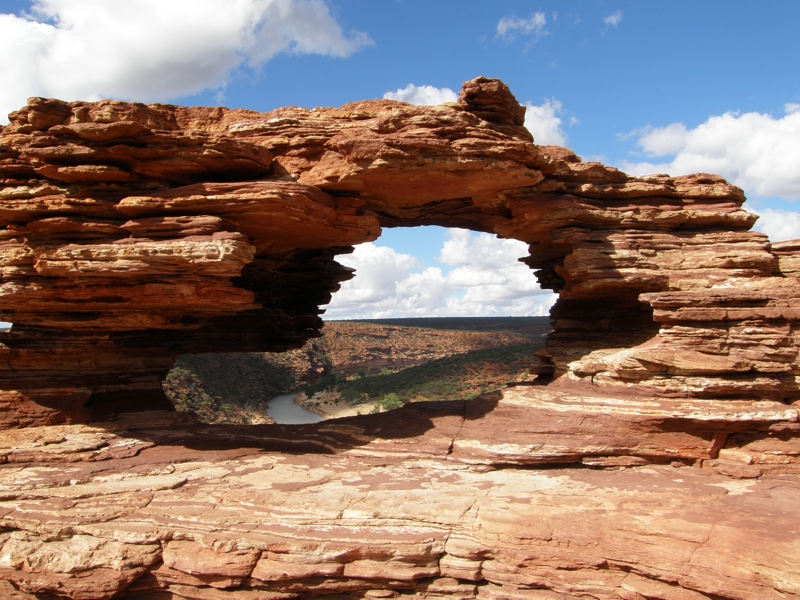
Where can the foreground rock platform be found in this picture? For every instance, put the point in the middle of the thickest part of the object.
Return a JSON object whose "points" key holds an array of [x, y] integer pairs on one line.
{"points": [[658, 460], [435, 500]]}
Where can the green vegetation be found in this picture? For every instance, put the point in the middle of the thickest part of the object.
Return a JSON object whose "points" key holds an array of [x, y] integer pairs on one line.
{"points": [[329, 382], [462, 376], [388, 402], [218, 387], [185, 390], [461, 359]]}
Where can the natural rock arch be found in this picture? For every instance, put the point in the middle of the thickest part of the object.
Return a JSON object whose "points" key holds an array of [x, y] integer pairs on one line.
{"points": [[136, 233]]}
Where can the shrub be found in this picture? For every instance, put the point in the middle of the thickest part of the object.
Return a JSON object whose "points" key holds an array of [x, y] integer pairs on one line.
{"points": [[390, 402]]}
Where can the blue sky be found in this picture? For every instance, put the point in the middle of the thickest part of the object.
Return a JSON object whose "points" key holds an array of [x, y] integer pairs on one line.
{"points": [[647, 86]]}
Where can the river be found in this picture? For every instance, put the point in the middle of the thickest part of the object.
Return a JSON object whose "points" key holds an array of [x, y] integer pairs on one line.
{"points": [[284, 411]]}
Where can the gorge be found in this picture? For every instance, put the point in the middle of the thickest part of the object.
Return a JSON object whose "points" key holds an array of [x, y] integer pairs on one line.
{"points": [[657, 457]]}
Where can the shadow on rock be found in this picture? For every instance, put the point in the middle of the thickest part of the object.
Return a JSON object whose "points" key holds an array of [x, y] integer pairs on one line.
{"points": [[421, 429]]}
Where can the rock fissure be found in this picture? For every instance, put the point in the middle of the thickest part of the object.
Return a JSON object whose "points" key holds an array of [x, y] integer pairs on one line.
{"points": [[455, 436]]}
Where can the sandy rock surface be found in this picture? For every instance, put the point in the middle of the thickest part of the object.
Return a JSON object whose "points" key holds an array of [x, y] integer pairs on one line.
{"points": [[436, 500]]}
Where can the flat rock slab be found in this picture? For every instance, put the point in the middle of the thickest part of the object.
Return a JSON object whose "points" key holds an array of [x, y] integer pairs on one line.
{"points": [[156, 505]]}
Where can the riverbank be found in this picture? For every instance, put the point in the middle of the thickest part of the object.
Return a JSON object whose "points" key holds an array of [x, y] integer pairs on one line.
{"points": [[359, 360], [328, 405]]}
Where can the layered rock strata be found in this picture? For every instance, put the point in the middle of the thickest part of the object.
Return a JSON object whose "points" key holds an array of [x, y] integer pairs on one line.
{"points": [[486, 499], [132, 234], [146, 231]]}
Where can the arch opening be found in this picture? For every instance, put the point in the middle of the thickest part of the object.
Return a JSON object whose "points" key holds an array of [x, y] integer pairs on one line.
{"points": [[433, 271], [395, 343]]}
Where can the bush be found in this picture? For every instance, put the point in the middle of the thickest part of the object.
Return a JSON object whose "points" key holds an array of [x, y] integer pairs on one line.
{"points": [[329, 382], [390, 402], [352, 396]]}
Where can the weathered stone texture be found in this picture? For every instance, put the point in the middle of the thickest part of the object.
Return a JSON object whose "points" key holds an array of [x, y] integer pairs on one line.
{"points": [[165, 224], [661, 462], [436, 500]]}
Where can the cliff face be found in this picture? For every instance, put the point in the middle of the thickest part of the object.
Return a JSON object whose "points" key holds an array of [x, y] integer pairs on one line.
{"points": [[135, 233]]}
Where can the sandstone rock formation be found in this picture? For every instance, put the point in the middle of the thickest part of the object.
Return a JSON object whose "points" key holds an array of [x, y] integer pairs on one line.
{"points": [[436, 500], [132, 234]]}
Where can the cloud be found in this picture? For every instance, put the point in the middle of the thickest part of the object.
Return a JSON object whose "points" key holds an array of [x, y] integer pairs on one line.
{"points": [[780, 225], [637, 169], [755, 151], [152, 50], [424, 95], [508, 27], [542, 121], [613, 19], [485, 279], [664, 140]]}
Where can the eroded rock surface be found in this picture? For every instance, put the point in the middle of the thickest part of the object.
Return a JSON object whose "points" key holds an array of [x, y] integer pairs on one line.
{"points": [[436, 500], [660, 462], [137, 232]]}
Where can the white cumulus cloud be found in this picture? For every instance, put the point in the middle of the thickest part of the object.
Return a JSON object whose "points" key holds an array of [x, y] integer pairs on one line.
{"points": [[780, 225], [508, 27], [663, 140], [423, 95], [757, 152], [485, 279], [154, 50], [613, 19], [544, 124]]}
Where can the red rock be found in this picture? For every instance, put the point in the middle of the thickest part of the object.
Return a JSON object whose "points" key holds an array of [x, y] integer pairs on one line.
{"points": [[368, 508], [219, 569], [597, 236], [133, 233]]}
